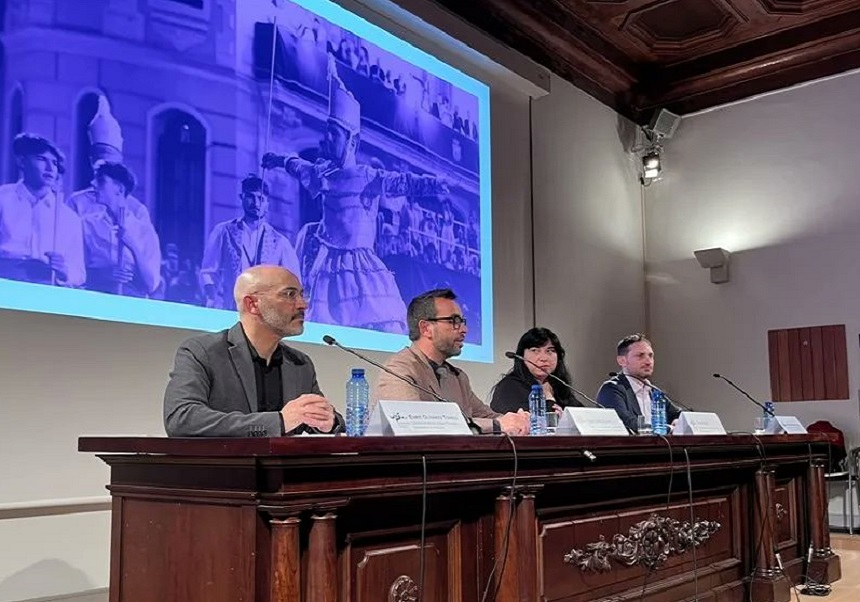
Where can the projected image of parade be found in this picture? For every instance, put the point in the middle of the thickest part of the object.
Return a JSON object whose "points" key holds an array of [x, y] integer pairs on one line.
{"points": [[288, 141]]}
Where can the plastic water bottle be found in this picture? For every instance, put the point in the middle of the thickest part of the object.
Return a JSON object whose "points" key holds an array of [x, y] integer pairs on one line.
{"points": [[537, 411], [658, 412], [767, 416], [357, 399]]}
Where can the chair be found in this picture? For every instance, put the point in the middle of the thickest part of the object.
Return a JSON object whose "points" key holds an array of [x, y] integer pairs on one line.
{"points": [[847, 472]]}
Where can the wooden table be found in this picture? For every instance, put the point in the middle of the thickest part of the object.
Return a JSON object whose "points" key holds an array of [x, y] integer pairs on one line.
{"points": [[325, 519]]}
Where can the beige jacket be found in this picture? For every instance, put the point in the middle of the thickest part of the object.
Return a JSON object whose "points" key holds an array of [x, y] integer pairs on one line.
{"points": [[452, 385]]}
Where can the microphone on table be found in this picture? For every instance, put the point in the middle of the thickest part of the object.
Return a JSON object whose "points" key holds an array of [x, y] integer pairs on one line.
{"points": [[745, 394], [515, 356], [330, 340], [656, 388]]}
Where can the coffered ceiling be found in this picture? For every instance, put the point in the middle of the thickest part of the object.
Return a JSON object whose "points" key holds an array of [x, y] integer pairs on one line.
{"points": [[683, 55]]}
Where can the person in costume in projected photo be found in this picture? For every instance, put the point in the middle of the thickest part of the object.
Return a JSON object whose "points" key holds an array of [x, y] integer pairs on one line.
{"points": [[121, 246], [40, 237], [346, 281]]}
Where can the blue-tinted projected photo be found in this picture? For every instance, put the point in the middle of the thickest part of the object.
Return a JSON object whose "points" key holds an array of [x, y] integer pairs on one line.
{"points": [[155, 149]]}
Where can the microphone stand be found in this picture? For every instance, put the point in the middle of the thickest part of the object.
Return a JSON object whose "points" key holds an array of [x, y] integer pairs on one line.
{"points": [[745, 394], [330, 340], [589, 455], [656, 388], [511, 355]]}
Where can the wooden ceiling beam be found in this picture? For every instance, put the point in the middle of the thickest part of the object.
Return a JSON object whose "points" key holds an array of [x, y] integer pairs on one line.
{"points": [[776, 44]]}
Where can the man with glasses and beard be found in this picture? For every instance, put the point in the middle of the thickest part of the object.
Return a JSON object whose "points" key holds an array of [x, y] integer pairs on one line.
{"points": [[242, 243], [437, 330], [245, 382]]}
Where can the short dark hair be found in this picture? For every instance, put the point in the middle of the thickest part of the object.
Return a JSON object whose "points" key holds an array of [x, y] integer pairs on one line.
{"points": [[624, 344], [116, 172], [423, 307], [26, 144], [253, 183]]}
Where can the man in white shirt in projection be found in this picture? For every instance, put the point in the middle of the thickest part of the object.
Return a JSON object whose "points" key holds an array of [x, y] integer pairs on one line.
{"points": [[347, 282], [241, 243], [120, 243], [40, 237], [122, 249]]}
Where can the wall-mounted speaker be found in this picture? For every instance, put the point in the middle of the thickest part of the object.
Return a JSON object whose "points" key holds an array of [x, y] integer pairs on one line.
{"points": [[664, 123]]}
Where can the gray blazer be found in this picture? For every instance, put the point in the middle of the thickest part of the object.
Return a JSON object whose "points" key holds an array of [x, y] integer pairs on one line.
{"points": [[213, 392]]}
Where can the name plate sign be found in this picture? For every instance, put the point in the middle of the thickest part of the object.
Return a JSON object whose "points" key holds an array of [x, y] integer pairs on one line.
{"points": [[590, 421], [786, 424], [699, 423], [404, 418]]}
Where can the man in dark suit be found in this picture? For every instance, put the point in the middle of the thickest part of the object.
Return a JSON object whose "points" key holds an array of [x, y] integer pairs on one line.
{"points": [[245, 382], [629, 392]]}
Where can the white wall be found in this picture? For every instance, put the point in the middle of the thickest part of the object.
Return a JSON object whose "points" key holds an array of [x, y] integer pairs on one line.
{"points": [[588, 230], [774, 180]]}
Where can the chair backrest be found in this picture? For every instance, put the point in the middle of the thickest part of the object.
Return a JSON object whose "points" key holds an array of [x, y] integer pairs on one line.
{"points": [[838, 453], [853, 462]]}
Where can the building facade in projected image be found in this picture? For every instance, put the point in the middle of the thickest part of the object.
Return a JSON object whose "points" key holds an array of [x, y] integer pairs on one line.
{"points": [[146, 164]]}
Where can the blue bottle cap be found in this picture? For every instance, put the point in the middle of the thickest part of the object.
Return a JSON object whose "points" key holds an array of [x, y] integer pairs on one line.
{"points": [[358, 372], [536, 388]]}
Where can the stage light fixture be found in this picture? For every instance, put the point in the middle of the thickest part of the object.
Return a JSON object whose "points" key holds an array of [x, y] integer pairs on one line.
{"points": [[651, 164]]}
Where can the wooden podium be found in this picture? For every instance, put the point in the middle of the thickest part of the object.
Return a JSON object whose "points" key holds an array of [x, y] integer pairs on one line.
{"points": [[333, 519]]}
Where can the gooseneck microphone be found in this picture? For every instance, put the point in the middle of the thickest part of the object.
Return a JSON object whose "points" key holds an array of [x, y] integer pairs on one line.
{"points": [[656, 388], [514, 356], [745, 394], [330, 340]]}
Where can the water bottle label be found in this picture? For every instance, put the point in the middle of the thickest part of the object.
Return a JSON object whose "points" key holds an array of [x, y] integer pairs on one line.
{"points": [[658, 412], [537, 411]]}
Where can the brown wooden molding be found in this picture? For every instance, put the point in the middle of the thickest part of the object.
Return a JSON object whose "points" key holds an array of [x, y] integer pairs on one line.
{"points": [[649, 543], [479, 534], [640, 55]]}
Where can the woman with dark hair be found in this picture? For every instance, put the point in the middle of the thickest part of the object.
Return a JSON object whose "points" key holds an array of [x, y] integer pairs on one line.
{"points": [[545, 355]]}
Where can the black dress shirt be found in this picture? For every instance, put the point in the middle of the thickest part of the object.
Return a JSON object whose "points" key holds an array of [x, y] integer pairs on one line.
{"points": [[270, 385]]}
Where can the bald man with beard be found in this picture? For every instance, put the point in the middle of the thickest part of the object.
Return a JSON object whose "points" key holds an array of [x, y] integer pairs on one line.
{"points": [[245, 382]]}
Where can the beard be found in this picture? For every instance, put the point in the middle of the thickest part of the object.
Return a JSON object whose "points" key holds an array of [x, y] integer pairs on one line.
{"points": [[280, 323], [643, 373], [449, 348]]}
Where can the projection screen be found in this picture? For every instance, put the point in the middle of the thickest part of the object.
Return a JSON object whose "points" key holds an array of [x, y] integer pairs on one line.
{"points": [[153, 162]]}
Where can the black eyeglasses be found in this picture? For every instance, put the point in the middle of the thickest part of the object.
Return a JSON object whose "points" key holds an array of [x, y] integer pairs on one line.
{"points": [[456, 321]]}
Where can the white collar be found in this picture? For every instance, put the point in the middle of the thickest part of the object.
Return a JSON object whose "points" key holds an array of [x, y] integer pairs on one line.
{"points": [[636, 384], [25, 195]]}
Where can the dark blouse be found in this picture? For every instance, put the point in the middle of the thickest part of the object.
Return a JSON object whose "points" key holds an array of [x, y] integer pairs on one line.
{"points": [[512, 393]]}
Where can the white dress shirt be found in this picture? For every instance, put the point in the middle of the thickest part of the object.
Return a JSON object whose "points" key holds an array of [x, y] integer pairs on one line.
{"points": [[102, 240], [31, 227], [642, 391]]}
